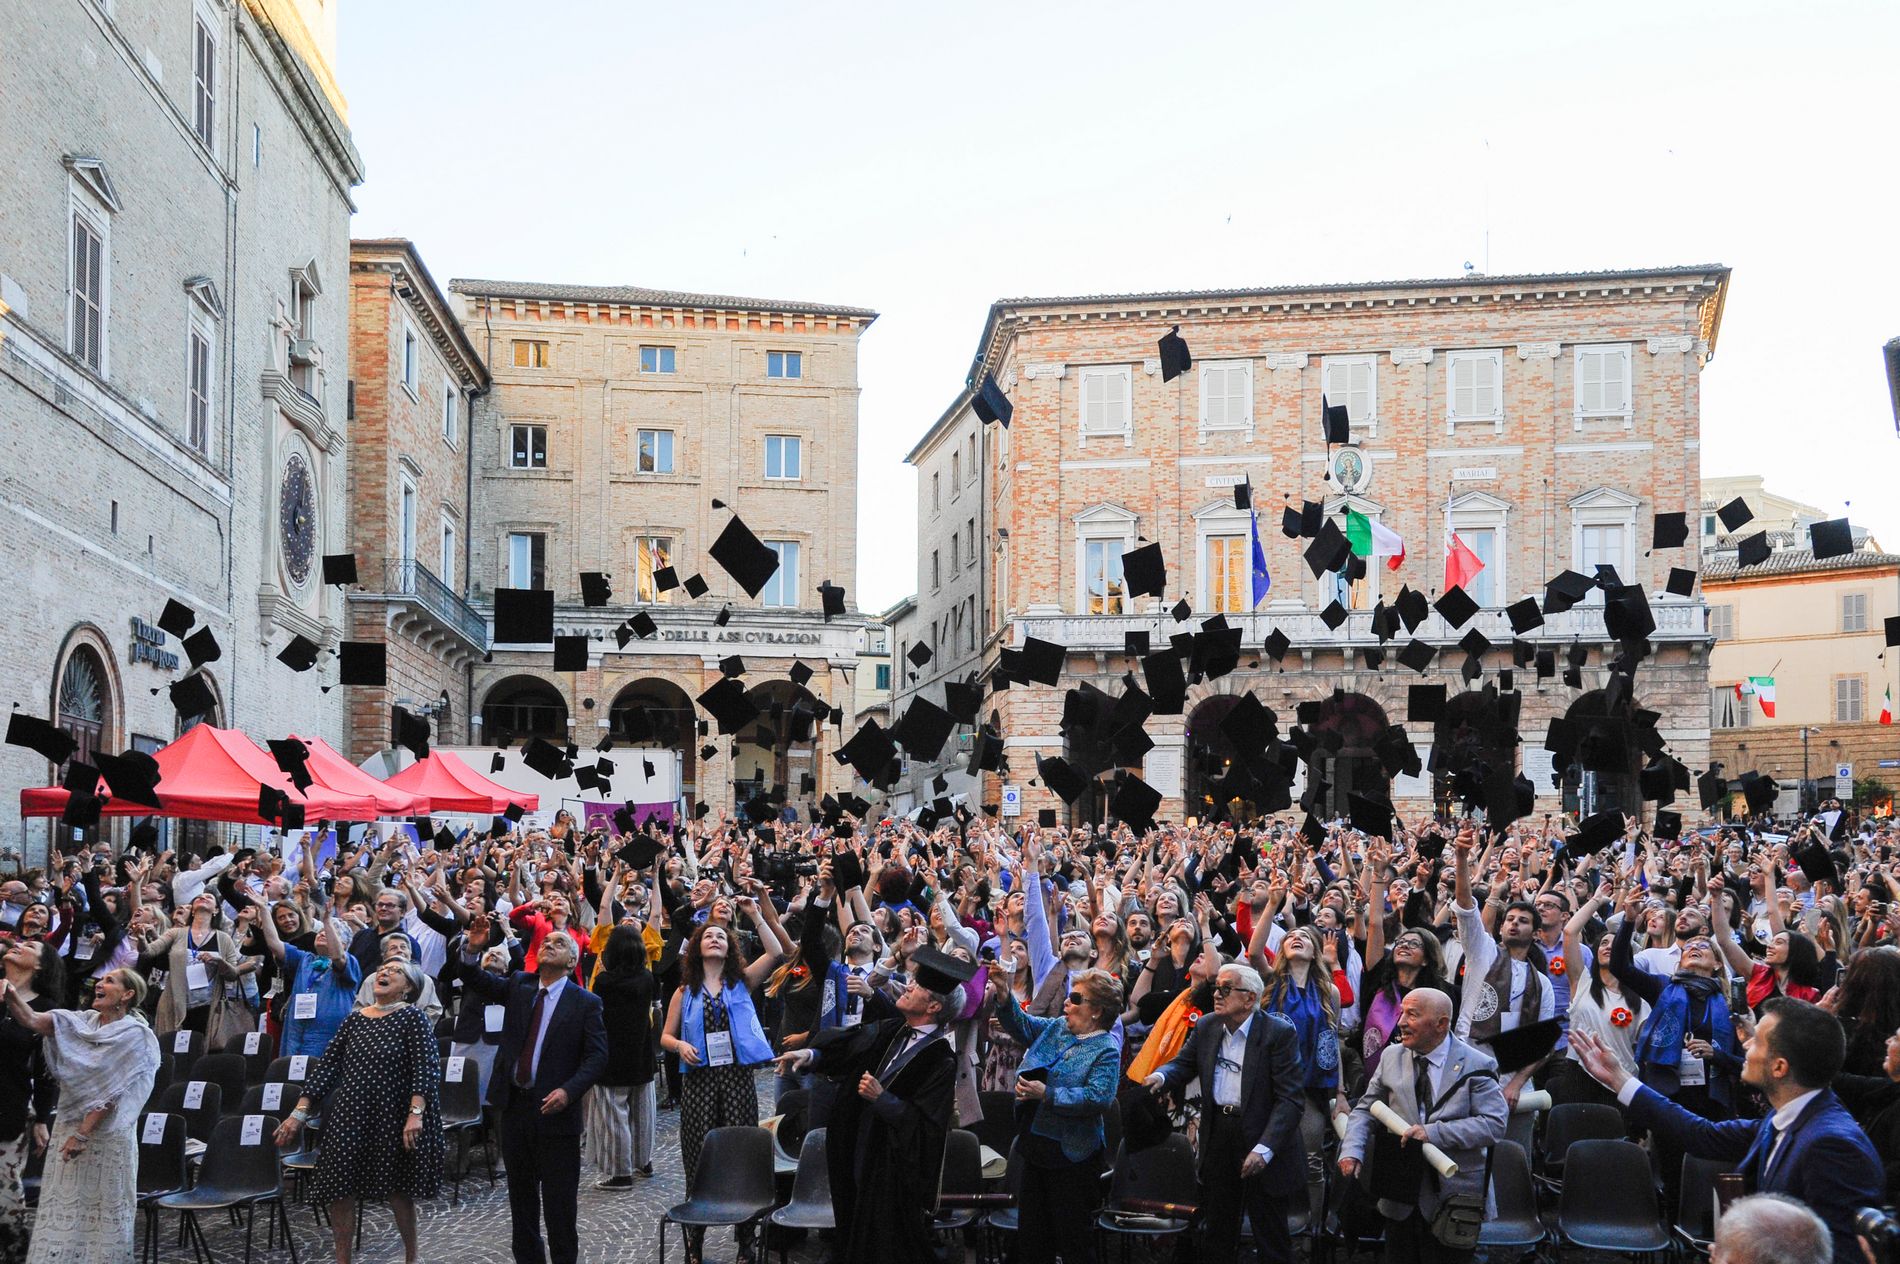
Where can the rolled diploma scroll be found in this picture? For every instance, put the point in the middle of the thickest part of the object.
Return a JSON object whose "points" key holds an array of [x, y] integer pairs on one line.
{"points": [[1440, 1161], [1536, 1099]]}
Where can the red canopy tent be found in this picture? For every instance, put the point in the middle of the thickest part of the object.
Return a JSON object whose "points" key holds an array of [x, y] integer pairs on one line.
{"points": [[452, 786], [213, 774], [332, 771]]}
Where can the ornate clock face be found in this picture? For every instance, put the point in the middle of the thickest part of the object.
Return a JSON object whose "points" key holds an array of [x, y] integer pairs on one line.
{"points": [[297, 519]]}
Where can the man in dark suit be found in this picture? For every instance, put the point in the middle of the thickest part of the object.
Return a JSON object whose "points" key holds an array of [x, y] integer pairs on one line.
{"points": [[1251, 1157], [1810, 1148], [553, 1048]]}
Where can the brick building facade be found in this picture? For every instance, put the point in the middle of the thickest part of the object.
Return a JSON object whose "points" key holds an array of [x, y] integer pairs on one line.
{"points": [[413, 373], [1548, 416], [618, 416], [172, 341]]}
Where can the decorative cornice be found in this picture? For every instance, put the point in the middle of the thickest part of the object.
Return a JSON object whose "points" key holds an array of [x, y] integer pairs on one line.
{"points": [[1539, 350], [302, 409], [1034, 371], [1286, 359], [1411, 355], [1681, 343]]}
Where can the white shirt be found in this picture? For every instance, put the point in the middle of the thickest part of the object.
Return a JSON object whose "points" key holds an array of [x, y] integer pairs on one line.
{"points": [[911, 1038], [1480, 952], [1229, 1065], [553, 991], [1784, 1121], [1435, 1060]]}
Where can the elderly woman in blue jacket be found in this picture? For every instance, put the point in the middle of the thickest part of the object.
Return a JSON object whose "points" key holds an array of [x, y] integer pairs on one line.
{"points": [[1069, 1074]]}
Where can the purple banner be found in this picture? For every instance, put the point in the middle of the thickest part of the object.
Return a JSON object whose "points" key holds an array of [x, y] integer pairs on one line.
{"points": [[598, 815]]}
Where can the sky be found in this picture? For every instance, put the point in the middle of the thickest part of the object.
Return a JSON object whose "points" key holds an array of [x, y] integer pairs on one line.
{"points": [[925, 160]]}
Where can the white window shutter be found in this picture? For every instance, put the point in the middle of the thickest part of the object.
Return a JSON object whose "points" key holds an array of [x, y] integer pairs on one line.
{"points": [[1590, 381]]}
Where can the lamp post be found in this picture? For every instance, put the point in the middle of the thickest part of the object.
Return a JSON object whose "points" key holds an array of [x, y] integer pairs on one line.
{"points": [[1806, 733]]}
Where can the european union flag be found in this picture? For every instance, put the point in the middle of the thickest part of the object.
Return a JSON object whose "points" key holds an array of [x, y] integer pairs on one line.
{"points": [[1261, 580]]}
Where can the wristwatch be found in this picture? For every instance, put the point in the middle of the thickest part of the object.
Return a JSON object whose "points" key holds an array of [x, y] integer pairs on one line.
{"points": [[415, 1110]]}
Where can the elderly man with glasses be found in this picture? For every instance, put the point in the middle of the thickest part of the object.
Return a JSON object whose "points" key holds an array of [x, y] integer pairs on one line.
{"points": [[1251, 1158]]}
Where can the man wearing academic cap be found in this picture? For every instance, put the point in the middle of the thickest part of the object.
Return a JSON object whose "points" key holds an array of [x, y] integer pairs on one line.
{"points": [[893, 1113]]}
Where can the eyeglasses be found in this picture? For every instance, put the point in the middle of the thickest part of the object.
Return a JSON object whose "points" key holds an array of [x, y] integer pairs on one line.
{"points": [[1076, 998], [1222, 989]]}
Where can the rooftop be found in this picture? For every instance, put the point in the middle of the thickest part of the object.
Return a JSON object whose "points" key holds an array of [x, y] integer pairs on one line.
{"points": [[1796, 562], [640, 296]]}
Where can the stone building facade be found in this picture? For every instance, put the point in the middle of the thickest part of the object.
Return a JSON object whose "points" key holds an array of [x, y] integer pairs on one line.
{"points": [[1547, 417], [617, 418], [172, 348], [413, 375]]}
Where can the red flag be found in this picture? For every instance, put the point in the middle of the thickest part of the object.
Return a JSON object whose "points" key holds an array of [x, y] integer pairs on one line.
{"points": [[1461, 564]]}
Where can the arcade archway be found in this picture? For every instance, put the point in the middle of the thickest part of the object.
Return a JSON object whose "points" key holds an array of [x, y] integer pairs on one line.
{"points": [[1471, 735], [656, 715], [524, 706], [775, 757], [1348, 726], [1217, 789], [1601, 772]]}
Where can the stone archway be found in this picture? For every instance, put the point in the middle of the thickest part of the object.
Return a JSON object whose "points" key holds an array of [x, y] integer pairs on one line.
{"points": [[516, 707], [1471, 736], [1347, 728], [656, 714], [777, 753], [1602, 772]]}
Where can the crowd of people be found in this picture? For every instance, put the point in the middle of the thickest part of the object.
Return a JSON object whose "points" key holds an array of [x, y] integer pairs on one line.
{"points": [[1305, 1000]]}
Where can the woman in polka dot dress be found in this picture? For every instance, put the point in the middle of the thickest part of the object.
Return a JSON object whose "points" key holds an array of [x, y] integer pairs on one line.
{"points": [[382, 1121]]}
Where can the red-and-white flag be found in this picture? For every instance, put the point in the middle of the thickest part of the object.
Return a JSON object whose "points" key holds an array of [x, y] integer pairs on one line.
{"points": [[1886, 707], [1461, 564]]}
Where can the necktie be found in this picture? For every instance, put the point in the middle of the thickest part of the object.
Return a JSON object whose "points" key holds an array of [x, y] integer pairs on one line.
{"points": [[852, 1001], [1422, 1085], [524, 1065], [897, 1052], [1767, 1154]]}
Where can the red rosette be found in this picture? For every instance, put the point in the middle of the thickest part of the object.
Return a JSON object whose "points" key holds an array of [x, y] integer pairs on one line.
{"points": [[1620, 1017], [801, 972], [1558, 968], [1193, 1016]]}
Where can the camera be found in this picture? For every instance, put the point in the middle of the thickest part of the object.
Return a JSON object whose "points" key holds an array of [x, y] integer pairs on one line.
{"points": [[1881, 1231]]}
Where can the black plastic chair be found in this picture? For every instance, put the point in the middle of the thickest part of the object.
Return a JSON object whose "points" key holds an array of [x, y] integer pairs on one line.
{"points": [[201, 1119], [810, 1208], [228, 1072], [1695, 1209], [160, 1082], [273, 1097], [234, 1176], [788, 1139], [999, 1226], [1609, 1200], [258, 1049], [997, 1128], [1515, 1224], [183, 1048], [281, 1068], [461, 1105], [1158, 1174], [31, 1174], [1573, 1122], [962, 1173], [162, 1171], [731, 1187]]}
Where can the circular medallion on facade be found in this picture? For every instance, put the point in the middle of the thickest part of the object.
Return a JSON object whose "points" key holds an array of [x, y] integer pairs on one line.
{"points": [[1352, 470], [297, 519], [1485, 1006]]}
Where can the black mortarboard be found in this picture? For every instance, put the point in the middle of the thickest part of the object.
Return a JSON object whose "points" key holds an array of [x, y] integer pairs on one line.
{"points": [[1668, 824], [1369, 815], [990, 403], [202, 647], [409, 731], [708, 751], [545, 758], [1424, 704], [1276, 645], [1711, 788], [744, 558], [1671, 532], [36, 734], [1411, 607], [1335, 422], [1735, 514], [732, 665], [1396, 753], [1594, 833], [293, 758], [919, 654], [1045, 818], [1832, 538], [1753, 550], [339, 568], [1658, 782], [300, 655], [831, 599], [177, 617], [1818, 864], [1061, 777], [1243, 495], [1146, 574], [1042, 660], [962, 699], [727, 703], [640, 849], [498, 763], [1474, 642], [191, 696], [1417, 655], [1333, 615], [1573, 677], [1134, 803], [1329, 549], [1181, 610], [570, 653], [596, 591], [1892, 625], [1312, 518], [586, 777], [642, 625], [923, 729], [1565, 590], [513, 812], [1522, 1046], [1524, 615], [665, 579], [132, 776], [82, 805], [1135, 642], [524, 616], [1290, 523], [1759, 791], [870, 751], [799, 673], [1175, 359], [1546, 664], [1456, 605], [696, 586], [1167, 683], [622, 635], [1681, 582], [1384, 621]]}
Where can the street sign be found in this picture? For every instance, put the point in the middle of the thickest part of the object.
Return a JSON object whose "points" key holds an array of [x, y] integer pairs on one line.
{"points": [[1012, 800], [1844, 781]]}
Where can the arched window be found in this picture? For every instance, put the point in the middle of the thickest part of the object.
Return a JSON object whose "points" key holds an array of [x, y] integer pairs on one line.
{"points": [[85, 702]]}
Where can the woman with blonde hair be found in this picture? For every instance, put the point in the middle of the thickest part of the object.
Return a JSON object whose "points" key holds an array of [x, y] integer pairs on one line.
{"points": [[105, 1059], [1300, 989], [202, 967]]}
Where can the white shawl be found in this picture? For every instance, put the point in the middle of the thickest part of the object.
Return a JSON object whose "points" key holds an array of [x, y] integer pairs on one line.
{"points": [[98, 1066]]}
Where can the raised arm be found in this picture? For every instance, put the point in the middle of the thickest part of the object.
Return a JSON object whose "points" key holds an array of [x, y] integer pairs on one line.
{"points": [[1573, 940]]}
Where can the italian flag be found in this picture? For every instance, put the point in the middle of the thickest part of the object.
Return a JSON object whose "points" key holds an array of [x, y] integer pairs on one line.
{"points": [[1369, 539], [1886, 707], [1763, 689]]}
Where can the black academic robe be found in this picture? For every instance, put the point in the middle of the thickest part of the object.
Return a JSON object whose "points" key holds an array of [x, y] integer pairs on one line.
{"points": [[886, 1161]]}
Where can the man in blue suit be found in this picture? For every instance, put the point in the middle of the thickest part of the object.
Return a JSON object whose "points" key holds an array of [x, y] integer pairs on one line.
{"points": [[553, 1048], [1810, 1148]]}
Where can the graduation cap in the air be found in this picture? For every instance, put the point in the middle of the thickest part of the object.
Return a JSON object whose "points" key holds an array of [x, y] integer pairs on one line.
{"points": [[923, 729], [339, 568], [1524, 615], [640, 850], [1425, 704], [1042, 660], [744, 557], [1411, 607], [1369, 815], [545, 758], [177, 617], [1166, 682], [1061, 777], [1671, 531], [990, 403], [596, 591], [1291, 523], [919, 654], [726, 702], [362, 663], [1276, 645], [1417, 655], [1329, 550], [300, 655], [1045, 818], [1175, 359], [831, 599], [1735, 515], [1668, 825], [870, 751], [1681, 583], [49, 740], [1335, 422], [191, 696], [202, 647], [1564, 590], [696, 586], [1594, 833], [1753, 550], [1180, 610], [1456, 606], [1523, 1046], [570, 653], [1818, 864], [1243, 495], [409, 731], [524, 616], [293, 758], [1711, 787], [665, 579], [1144, 571], [732, 665], [1134, 803], [1333, 615], [132, 776], [642, 625], [1759, 791], [1135, 642], [1831, 538], [962, 699], [498, 763], [799, 673]]}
